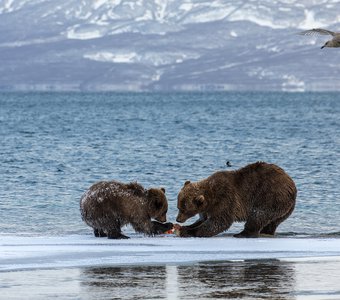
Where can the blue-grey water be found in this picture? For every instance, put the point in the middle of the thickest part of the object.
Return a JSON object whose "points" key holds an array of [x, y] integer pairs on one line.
{"points": [[55, 145]]}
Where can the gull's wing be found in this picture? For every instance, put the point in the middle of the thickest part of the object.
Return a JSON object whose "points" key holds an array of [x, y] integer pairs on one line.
{"points": [[317, 31]]}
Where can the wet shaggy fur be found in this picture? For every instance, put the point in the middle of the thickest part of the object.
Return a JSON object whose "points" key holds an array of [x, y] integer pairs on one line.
{"points": [[107, 206], [262, 195]]}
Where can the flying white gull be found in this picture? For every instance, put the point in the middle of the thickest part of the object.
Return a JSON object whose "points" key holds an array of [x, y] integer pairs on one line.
{"points": [[334, 42]]}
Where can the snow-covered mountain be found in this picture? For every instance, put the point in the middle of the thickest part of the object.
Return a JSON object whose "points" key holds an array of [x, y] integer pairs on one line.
{"points": [[167, 45]]}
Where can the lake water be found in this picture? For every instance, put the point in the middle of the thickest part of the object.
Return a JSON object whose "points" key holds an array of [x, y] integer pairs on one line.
{"points": [[270, 279], [55, 145]]}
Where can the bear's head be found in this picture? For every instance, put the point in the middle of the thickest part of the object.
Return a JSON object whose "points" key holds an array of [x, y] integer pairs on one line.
{"points": [[158, 205], [190, 202]]}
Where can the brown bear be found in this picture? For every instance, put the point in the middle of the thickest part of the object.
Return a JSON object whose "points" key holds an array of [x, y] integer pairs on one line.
{"points": [[260, 194], [108, 205]]}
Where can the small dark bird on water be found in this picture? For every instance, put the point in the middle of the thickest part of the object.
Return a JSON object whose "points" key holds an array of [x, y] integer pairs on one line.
{"points": [[333, 43], [228, 164]]}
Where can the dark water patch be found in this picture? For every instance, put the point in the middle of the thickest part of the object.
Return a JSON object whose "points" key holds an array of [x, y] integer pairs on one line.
{"points": [[329, 235], [308, 235]]}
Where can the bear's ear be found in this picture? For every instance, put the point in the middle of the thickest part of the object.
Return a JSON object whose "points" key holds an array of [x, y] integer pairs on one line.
{"points": [[199, 201], [163, 190], [187, 182]]}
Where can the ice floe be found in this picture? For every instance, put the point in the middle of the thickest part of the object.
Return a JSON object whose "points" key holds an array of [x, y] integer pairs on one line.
{"points": [[17, 253]]}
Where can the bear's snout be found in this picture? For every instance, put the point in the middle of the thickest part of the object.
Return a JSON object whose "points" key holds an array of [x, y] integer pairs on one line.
{"points": [[181, 218], [161, 219]]}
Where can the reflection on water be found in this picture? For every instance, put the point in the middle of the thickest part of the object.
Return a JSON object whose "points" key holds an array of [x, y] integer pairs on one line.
{"points": [[143, 282], [256, 279], [172, 282], [229, 280], [268, 280]]}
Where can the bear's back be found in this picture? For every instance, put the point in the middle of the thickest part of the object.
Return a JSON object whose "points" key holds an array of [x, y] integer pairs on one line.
{"points": [[254, 180], [110, 196], [266, 181], [110, 200], [262, 171]]}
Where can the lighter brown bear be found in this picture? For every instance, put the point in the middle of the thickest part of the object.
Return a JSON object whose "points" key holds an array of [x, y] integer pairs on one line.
{"points": [[262, 195], [108, 205]]}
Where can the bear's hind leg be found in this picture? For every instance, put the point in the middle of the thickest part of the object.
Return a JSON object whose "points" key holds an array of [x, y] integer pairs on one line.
{"points": [[99, 233], [271, 227], [116, 234], [247, 234], [251, 229]]}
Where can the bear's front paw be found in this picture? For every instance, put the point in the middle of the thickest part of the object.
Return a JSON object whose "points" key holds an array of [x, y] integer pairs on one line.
{"points": [[168, 227], [181, 231], [245, 234], [159, 228]]}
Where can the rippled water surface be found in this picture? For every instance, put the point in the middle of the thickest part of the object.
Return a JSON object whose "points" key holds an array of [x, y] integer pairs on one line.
{"points": [[55, 145]]}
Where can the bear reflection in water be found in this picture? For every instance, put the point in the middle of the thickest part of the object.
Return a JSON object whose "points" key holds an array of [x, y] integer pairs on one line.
{"points": [[270, 279]]}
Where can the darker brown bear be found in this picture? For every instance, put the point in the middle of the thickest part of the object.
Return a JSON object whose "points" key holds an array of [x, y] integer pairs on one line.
{"points": [[260, 194], [107, 206]]}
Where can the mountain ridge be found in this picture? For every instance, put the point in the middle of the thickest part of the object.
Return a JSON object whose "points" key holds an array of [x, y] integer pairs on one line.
{"points": [[148, 45]]}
